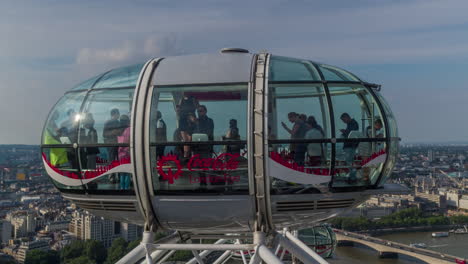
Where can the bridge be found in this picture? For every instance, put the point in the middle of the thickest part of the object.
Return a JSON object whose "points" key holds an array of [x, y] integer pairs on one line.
{"points": [[390, 249]]}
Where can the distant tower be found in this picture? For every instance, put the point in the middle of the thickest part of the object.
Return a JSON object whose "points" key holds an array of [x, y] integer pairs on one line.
{"points": [[462, 158], [2, 179], [430, 155]]}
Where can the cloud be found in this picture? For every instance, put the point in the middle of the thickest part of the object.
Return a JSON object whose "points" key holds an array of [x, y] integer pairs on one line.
{"points": [[384, 17], [165, 46], [95, 56], [130, 51]]}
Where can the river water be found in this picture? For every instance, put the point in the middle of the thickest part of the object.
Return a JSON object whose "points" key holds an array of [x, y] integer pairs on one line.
{"points": [[456, 245]]}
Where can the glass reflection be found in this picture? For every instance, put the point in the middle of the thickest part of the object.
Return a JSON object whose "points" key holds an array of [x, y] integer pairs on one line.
{"points": [[62, 123]]}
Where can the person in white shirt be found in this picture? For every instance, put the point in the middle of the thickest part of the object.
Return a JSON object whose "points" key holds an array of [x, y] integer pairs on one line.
{"points": [[161, 134], [315, 151]]}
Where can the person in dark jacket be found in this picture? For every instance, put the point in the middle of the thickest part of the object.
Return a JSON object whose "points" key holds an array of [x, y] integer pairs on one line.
{"points": [[188, 104], [112, 129], [205, 125], [91, 138], [349, 148], [233, 134], [161, 134], [351, 125], [298, 131]]}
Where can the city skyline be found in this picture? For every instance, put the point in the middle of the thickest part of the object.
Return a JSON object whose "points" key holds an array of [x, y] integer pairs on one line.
{"points": [[415, 49], [32, 208]]}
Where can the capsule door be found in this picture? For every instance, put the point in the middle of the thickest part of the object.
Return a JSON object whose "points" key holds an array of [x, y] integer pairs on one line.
{"points": [[198, 156]]}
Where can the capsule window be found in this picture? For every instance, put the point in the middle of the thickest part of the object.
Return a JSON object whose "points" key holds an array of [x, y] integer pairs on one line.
{"points": [[107, 113], [298, 127], [198, 139], [104, 140], [360, 130]]}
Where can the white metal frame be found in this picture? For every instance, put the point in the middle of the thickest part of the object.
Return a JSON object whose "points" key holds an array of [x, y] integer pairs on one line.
{"points": [[263, 249], [139, 143], [259, 150]]}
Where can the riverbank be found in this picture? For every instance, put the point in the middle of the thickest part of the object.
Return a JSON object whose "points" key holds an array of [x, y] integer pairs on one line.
{"points": [[454, 244], [412, 218], [393, 230]]}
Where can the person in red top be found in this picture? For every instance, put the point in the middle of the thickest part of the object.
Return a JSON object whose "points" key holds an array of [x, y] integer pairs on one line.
{"points": [[124, 152]]}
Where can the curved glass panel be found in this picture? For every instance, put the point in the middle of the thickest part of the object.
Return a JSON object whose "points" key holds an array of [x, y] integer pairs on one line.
{"points": [[106, 120], [88, 84], [360, 128], [393, 153], [394, 140], [102, 175], [390, 117], [320, 238], [298, 112], [120, 78], [61, 165], [215, 117], [354, 111], [332, 73], [289, 69], [62, 123], [107, 112]]}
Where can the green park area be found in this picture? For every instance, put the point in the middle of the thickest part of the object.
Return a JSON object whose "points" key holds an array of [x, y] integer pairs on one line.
{"points": [[411, 217]]}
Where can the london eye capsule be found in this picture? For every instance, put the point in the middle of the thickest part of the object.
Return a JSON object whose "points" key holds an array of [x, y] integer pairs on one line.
{"points": [[221, 142]]}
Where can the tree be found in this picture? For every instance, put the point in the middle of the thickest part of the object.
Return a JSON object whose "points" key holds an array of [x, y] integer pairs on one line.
{"points": [[133, 245], [336, 222], [37, 256], [159, 235], [81, 260], [73, 250], [181, 255], [117, 250], [95, 251], [459, 219]]}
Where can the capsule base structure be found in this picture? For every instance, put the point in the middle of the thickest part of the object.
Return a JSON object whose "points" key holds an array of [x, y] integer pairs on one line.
{"points": [[222, 143]]}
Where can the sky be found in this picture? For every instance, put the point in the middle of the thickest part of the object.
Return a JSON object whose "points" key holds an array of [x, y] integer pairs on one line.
{"points": [[417, 50]]}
